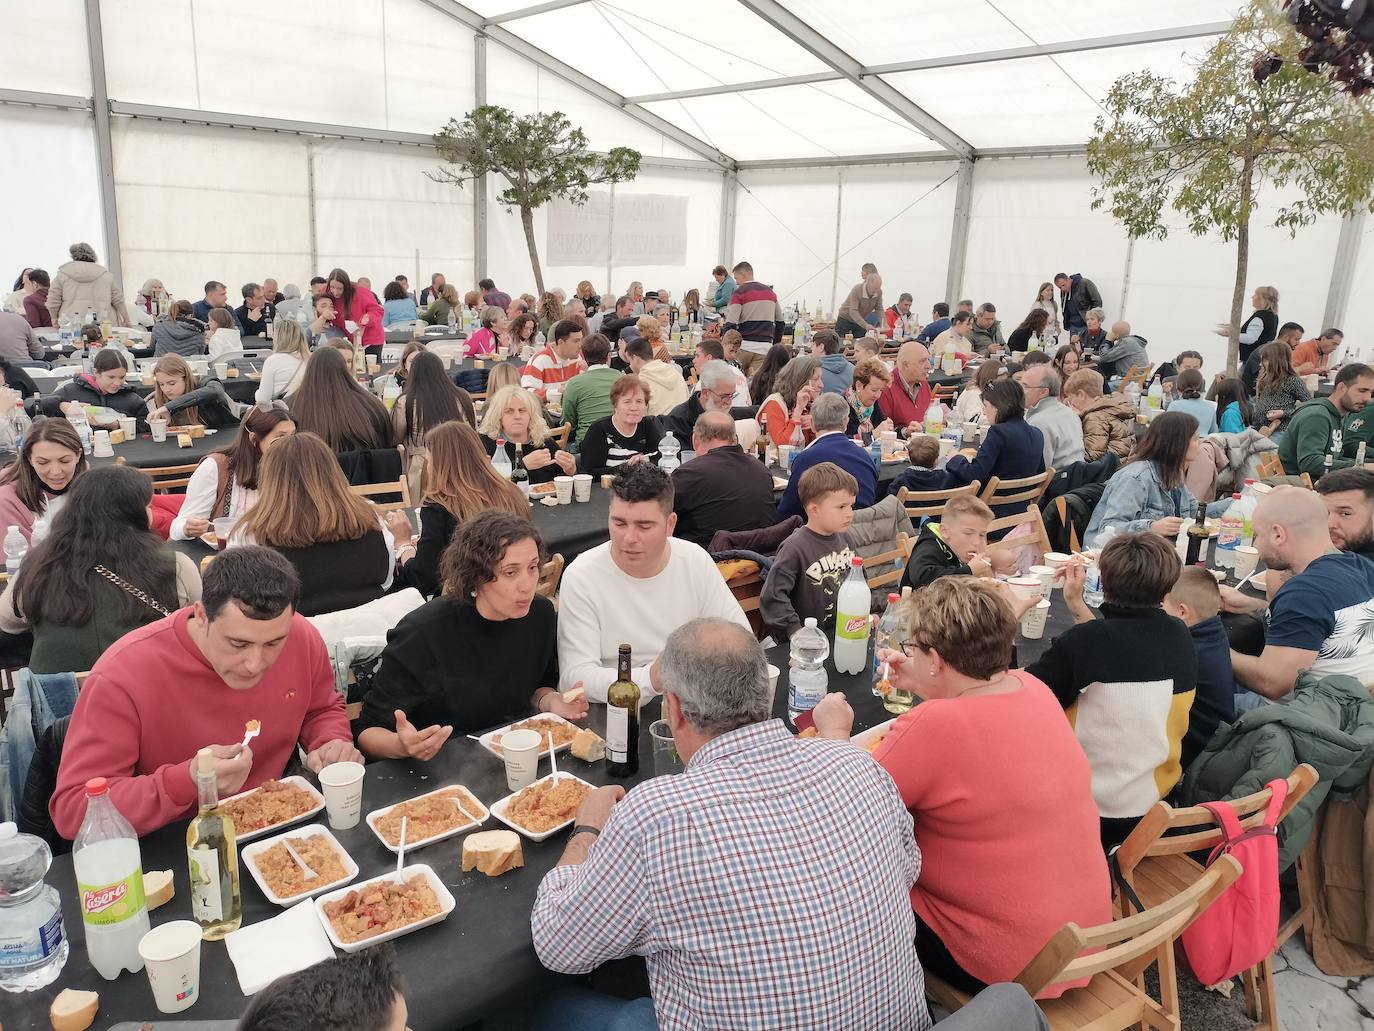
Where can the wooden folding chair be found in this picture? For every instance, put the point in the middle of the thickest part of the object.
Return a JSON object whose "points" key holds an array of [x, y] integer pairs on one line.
{"points": [[946, 392], [1014, 492], [931, 503], [166, 477], [1137, 374], [889, 564], [398, 491], [1154, 861], [1061, 509], [561, 435], [1113, 955], [1040, 538], [549, 575], [1269, 465]]}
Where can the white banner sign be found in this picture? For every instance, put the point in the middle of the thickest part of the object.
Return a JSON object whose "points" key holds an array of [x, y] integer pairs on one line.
{"points": [[649, 229]]}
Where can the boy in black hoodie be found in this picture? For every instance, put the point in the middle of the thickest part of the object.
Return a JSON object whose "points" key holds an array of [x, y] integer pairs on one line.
{"points": [[956, 546], [1196, 599]]}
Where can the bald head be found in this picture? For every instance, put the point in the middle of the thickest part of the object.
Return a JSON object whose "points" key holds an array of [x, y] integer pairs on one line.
{"points": [[1290, 527], [713, 430], [913, 362], [1121, 329]]}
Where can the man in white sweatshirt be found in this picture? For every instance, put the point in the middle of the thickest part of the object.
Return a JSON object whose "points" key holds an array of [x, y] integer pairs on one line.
{"points": [[636, 589]]}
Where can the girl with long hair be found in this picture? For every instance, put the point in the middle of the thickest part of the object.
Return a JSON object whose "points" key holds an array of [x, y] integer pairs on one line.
{"points": [[177, 399], [101, 573], [36, 484], [102, 387], [513, 413], [430, 399], [330, 404], [761, 384], [1233, 405], [225, 483], [182, 333], [1067, 361], [285, 366], [360, 306], [1045, 301], [459, 483], [502, 374], [332, 536], [1035, 324], [1279, 389]]}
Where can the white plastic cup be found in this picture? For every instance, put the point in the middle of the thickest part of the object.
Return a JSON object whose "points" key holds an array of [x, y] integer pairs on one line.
{"points": [[947, 448], [1033, 622], [785, 457], [1246, 559], [888, 440], [158, 427], [520, 749], [223, 528], [129, 425], [772, 679], [222, 370], [100, 444], [1046, 575], [1028, 587], [171, 955], [563, 485], [342, 787], [1057, 559], [582, 486], [554, 396]]}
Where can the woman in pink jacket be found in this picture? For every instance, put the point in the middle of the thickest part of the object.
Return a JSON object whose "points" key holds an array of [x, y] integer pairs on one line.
{"points": [[360, 306]]}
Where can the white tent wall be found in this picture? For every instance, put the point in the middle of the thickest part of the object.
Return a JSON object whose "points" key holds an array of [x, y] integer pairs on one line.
{"points": [[785, 227], [53, 200], [1358, 321], [43, 47]]}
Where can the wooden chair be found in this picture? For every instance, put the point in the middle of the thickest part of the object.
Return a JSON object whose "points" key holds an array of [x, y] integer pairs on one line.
{"points": [[1154, 861], [167, 477], [549, 575], [1113, 955], [931, 503], [1015, 492], [1040, 538], [1269, 465], [946, 392], [890, 564], [746, 590], [398, 491], [1061, 509], [1137, 374], [561, 435]]}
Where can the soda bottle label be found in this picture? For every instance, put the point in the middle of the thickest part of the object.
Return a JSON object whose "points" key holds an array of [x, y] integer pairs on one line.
{"points": [[851, 628], [23, 950], [108, 904], [207, 901]]}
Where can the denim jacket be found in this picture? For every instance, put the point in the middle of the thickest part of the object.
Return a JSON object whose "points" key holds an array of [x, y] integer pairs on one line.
{"points": [[1135, 498], [38, 701]]}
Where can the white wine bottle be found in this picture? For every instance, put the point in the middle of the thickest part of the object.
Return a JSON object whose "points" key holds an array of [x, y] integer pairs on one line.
{"points": [[622, 720], [214, 858]]}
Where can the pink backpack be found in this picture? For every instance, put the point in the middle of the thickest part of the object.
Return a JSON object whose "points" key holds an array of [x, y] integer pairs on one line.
{"points": [[1237, 931]]}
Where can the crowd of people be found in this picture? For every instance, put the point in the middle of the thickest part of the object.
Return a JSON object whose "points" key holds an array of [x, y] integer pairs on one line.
{"points": [[1080, 742]]}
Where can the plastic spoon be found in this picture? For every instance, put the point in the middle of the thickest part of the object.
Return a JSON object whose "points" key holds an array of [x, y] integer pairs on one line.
{"points": [[401, 851], [306, 868], [251, 730], [553, 763]]}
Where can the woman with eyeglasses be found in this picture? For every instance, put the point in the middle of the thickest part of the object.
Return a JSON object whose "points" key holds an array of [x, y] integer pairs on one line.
{"points": [[989, 769]]}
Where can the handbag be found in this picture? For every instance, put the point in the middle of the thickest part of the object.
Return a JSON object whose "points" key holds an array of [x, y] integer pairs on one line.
{"points": [[129, 588]]}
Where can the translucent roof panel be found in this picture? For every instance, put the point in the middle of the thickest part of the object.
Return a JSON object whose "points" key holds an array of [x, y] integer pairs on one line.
{"points": [[823, 120], [887, 32], [43, 48], [645, 46], [1037, 100]]}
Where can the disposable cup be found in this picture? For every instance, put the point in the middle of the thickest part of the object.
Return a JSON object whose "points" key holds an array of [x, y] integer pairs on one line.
{"points": [[100, 444], [129, 425], [947, 448], [785, 457], [223, 528], [158, 427], [666, 757], [772, 679], [889, 441], [1246, 559], [1033, 622], [520, 749], [342, 787], [1027, 586], [582, 486], [1057, 559], [171, 955], [563, 485], [1046, 575], [222, 370]]}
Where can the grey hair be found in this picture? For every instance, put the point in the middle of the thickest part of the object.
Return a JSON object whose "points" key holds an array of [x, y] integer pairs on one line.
{"points": [[660, 308], [291, 292], [716, 371], [1098, 314], [987, 308], [966, 300], [718, 429], [81, 252], [829, 412], [795, 374], [1049, 379], [716, 669]]}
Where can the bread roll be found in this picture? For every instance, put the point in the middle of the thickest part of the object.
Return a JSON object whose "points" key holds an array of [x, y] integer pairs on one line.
{"points": [[73, 1010], [588, 746], [573, 695], [158, 888], [493, 852]]}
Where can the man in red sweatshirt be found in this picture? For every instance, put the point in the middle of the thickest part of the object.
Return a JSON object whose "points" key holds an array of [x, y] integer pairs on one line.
{"points": [[195, 678]]}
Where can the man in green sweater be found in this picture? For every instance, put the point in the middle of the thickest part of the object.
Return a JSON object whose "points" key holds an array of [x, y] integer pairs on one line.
{"points": [[1314, 431], [587, 396]]}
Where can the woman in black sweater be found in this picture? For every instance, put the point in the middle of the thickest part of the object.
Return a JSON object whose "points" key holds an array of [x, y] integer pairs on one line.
{"points": [[482, 654], [1033, 325], [513, 414]]}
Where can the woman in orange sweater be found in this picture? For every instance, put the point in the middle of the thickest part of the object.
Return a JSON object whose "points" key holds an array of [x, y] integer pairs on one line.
{"points": [[789, 405], [998, 787]]}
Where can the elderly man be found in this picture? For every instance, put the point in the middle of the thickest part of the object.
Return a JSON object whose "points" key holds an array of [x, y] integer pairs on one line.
{"points": [[1057, 422], [429, 293], [724, 487], [733, 936], [715, 350], [717, 384], [216, 296], [907, 397], [986, 333], [861, 309], [829, 418], [18, 342], [636, 588], [1315, 355], [1349, 498], [618, 320], [1318, 616], [754, 311], [1121, 352], [1077, 296], [1314, 442], [897, 321], [270, 292]]}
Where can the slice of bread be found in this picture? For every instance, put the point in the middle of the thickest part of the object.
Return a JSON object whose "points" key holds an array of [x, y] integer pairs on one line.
{"points": [[73, 1010], [588, 746], [158, 887], [493, 852], [574, 695]]}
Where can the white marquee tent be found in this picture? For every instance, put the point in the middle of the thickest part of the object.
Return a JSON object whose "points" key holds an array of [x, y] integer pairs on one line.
{"points": [[940, 139]]}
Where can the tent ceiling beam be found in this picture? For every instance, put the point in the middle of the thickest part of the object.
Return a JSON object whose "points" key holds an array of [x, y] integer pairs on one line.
{"points": [[815, 43], [61, 101], [529, 12], [585, 83]]}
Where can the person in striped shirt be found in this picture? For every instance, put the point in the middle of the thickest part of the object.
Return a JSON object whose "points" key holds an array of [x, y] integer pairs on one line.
{"points": [[755, 312], [556, 362]]}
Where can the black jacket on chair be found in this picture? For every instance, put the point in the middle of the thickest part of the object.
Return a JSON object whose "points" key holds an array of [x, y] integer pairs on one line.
{"points": [[38, 787]]}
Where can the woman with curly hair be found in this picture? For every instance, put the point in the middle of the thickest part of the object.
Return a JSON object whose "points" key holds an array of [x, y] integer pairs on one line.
{"points": [[485, 652]]}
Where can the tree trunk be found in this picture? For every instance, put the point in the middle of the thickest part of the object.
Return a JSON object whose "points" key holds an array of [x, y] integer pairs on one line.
{"points": [[527, 221], [1247, 189]]}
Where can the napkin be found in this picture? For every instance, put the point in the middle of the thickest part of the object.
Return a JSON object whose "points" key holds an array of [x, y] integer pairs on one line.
{"points": [[286, 943]]}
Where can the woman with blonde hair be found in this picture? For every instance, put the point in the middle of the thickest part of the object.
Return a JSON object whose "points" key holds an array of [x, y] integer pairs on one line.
{"points": [[334, 538], [586, 293], [503, 374], [330, 404], [459, 483], [177, 399], [285, 366], [446, 301], [1261, 327], [1278, 390], [513, 414]]}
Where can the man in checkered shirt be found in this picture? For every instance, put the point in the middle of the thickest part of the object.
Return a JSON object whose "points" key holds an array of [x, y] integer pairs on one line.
{"points": [[768, 886]]}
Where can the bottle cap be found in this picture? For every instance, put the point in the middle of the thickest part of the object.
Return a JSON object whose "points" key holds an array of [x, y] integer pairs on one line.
{"points": [[894, 597], [95, 787], [8, 830], [205, 760], [856, 561]]}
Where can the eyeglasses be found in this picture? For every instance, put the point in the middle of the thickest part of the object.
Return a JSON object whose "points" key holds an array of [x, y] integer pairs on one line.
{"points": [[909, 648], [725, 397]]}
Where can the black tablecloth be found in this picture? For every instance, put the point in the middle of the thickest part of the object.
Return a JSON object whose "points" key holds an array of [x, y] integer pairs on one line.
{"points": [[146, 453]]}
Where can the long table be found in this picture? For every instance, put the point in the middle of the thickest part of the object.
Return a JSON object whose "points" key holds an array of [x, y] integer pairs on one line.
{"points": [[478, 963]]}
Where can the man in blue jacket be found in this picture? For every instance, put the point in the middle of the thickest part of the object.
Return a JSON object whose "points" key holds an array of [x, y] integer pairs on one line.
{"points": [[829, 417]]}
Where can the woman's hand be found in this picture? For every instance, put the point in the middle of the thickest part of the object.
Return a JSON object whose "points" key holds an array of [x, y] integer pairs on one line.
{"points": [[365, 320], [1275, 414], [638, 456], [883, 427], [197, 527], [8, 399], [567, 461], [159, 415], [537, 459], [805, 396], [568, 710], [833, 716], [1167, 527], [419, 744], [399, 525]]}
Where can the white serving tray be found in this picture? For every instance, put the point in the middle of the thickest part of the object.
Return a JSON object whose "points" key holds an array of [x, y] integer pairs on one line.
{"points": [[377, 814], [498, 810], [250, 853], [446, 906], [300, 782]]}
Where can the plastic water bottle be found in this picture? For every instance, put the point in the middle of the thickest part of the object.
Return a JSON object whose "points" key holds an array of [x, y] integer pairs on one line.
{"points": [[1155, 397], [883, 636], [109, 880], [452, 321], [851, 621], [82, 425], [806, 678], [64, 333], [1092, 586], [1133, 394], [875, 450], [15, 550], [33, 940], [1249, 499], [1232, 533], [668, 451], [20, 423], [500, 460]]}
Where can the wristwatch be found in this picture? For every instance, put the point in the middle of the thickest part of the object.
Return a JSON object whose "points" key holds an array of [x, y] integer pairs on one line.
{"points": [[583, 828]]}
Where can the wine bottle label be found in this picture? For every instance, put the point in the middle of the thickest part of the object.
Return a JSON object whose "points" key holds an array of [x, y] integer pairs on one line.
{"points": [[617, 733], [207, 902]]}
